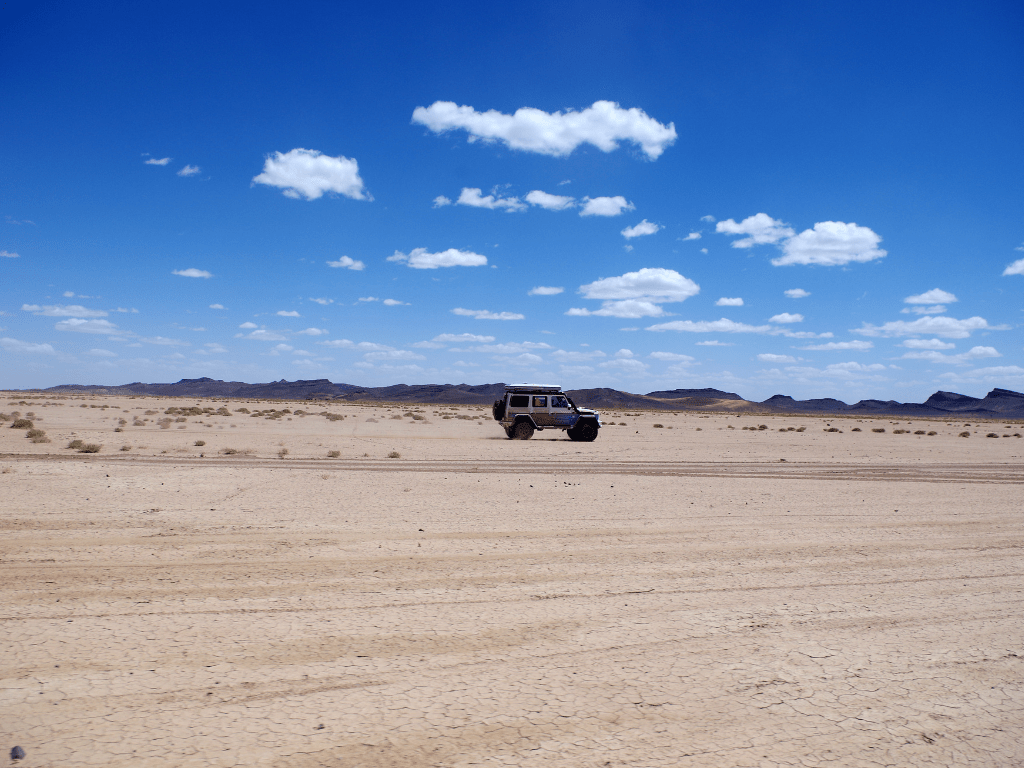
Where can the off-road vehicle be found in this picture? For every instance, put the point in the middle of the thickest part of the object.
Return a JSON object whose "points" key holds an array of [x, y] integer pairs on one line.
{"points": [[530, 407]]}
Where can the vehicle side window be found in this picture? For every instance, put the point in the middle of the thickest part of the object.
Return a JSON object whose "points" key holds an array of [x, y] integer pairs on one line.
{"points": [[557, 401], [540, 401], [519, 401]]}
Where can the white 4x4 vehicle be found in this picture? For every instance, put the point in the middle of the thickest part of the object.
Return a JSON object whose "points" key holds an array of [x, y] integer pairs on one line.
{"points": [[529, 407]]}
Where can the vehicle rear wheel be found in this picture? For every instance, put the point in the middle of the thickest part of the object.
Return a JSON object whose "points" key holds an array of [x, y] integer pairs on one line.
{"points": [[522, 431], [584, 432]]}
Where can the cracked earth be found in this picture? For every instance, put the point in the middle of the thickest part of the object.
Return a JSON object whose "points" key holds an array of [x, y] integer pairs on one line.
{"points": [[587, 610]]}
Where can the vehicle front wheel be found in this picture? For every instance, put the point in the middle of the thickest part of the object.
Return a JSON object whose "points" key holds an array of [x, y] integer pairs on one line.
{"points": [[522, 431], [583, 432]]}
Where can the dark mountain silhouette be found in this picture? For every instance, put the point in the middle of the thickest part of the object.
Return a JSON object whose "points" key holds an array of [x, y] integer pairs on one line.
{"points": [[997, 404]]}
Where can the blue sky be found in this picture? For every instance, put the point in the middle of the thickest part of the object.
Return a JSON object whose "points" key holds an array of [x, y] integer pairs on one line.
{"points": [[822, 200]]}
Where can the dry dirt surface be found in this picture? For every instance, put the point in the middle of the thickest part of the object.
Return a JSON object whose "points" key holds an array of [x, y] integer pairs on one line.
{"points": [[700, 593]]}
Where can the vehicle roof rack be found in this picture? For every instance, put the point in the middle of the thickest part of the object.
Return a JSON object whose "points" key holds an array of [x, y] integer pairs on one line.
{"points": [[533, 388]]}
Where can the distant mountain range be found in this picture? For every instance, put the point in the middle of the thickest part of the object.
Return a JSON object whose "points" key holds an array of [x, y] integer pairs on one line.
{"points": [[997, 404]]}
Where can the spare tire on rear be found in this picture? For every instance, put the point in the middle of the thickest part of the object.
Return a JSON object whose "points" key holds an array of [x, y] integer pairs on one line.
{"points": [[498, 410]]}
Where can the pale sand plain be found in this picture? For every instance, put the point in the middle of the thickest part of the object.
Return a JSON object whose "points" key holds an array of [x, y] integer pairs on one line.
{"points": [[660, 597]]}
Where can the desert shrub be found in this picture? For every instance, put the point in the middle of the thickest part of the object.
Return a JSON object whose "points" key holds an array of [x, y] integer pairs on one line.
{"points": [[4, 417], [90, 448], [333, 454], [919, 432], [878, 429], [900, 431], [408, 413], [729, 426], [199, 443], [394, 455], [151, 413], [333, 416], [75, 444], [446, 416], [933, 432], [282, 453], [699, 429], [118, 429], [622, 423], [1016, 434], [37, 436], [242, 410], [230, 451], [126, 448], [855, 429], [396, 416], [762, 427], [164, 423], [418, 417], [964, 434], [831, 429], [371, 420], [658, 426], [22, 424], [801, 429], [991, 434]]}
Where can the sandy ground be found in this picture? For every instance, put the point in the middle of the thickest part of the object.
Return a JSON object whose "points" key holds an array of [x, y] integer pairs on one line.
{"points": [[684, 595]]}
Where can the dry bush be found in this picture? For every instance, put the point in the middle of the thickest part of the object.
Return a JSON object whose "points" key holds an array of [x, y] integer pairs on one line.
{"points": [[394, 455], [933, 432], [333, 454], [657, 426], [396, 416], [199, 443], [964, 434], [446, 416], [991, 434], [900, 431], [236, 451], [22, 424], [831, 429], [919, 432], [878, 429], [730, 426], [164, 423], [699, 429], [855, 429], [332, 416], [150, 413], [126, 448], [800, 429], [37, 436], [90, 448], [75, 444], [242, 410], [282, 453], [418, 417], [371, 420]]}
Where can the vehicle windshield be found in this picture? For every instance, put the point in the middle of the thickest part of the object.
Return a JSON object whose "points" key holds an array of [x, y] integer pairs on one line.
{"points": [[571, 403]]}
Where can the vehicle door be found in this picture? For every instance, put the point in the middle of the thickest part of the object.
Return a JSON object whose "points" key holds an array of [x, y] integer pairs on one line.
{"points": [[560, 412], [517, 404], [539, 409]]}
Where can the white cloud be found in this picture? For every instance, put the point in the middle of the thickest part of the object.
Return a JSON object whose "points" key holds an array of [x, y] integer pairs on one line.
{"points": [[550, 202], [691, 236], [421, 258], [709, 218], [1017, 268], [165, 342], [346, 262], [715, 343], [79, 325], [155, 161], [605, 206], [927, 344], [13, 255], [248, 325], [637, 294], [393, 354], [308, 173], [312, 332], [759, 229], [483, 314], [947, 327], [544, 290], [189, 170], [934, 296], [724, 302], [563, 356], [767, 357], [786, 317], [473, 197], [932, 356], [59, 310], [840, 345], [367, 299], [462, 338], [831, 243], [602, 124], [645, 227], [322, 302], [287, 313], [283, 348], [440, 201], [624, 365], [102, 353], [191, 272], [710, 326], [671, 356], [936, 309], [797, 293], [394, 303], [627, 308], [133, 310], [212, 348], [996, 374], [26, 347], [261, 335], [216, 306], [426, 345], [512, 347]]}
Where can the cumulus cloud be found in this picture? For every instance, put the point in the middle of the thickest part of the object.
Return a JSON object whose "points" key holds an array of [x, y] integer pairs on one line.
{"points": [[421, 258], [936, 309], [797, 293], [934, 296], [786, 317], [691, 236], [715, 343], [165, 342], [840, 345], [322, 302], [191, 272], [512, 347], [671, 356], [157, 161], [441, 201], [25, 347], [345, 262], [212, 348], [394, 303], [946, 327], [724, 302], [605, 206], [216, 306], [637, 294], [712, 326], [603, 124], [996, 374], [62, 310], [964, 358], [759, 229], [393, 354], [483, 314], [78, 325], [462, 338], [312, 332], [544, 290], [262, 335], [366, 299], [645, 227], [550, 202], [287, 313], [102, 353], [474, 198], [627, 308], [1017, 268], [830, 244], [927, 344], [624, 365], [564, 356], [189, 170], [248, 325], [13, 255], [307, 173], [767, 357]]}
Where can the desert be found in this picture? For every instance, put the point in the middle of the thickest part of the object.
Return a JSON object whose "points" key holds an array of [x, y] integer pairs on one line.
{"points": [[228, 582]]}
